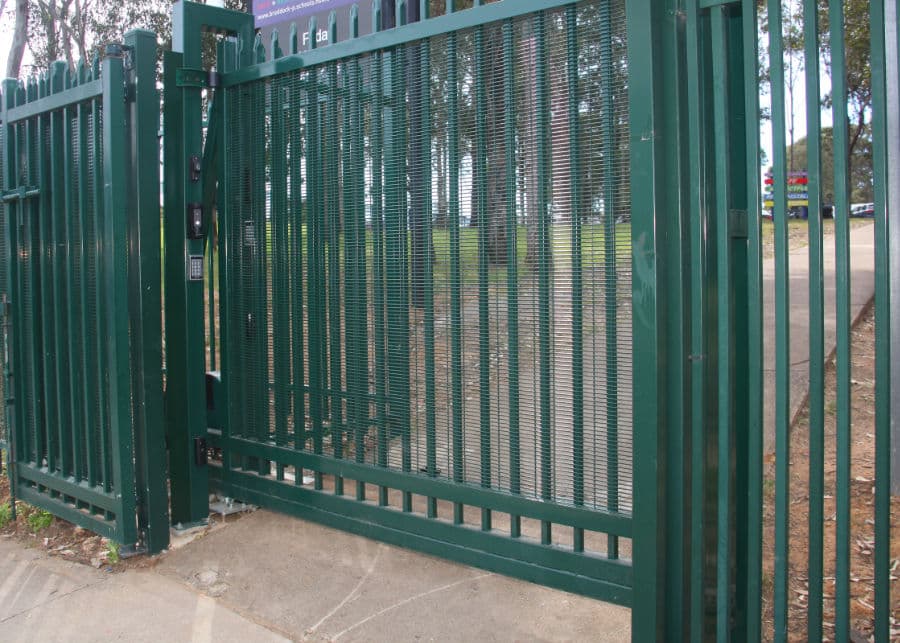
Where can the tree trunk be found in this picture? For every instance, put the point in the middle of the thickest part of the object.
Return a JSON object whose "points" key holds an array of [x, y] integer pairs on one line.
{"points": [[495, 209], [19, 40], [442, 214]]}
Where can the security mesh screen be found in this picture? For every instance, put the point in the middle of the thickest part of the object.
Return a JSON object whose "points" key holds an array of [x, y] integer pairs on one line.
{"points": [[429, 259]]}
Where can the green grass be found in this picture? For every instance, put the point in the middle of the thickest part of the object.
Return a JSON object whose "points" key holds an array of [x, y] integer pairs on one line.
{"points": [[5, 514], [112, 553], [38, 519], [593, 252]]}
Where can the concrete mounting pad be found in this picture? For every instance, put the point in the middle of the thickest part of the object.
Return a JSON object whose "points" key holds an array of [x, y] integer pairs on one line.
{"points": [[315, 583]]}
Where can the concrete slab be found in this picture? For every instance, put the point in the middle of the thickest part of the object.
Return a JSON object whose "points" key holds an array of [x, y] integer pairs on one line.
{"points": [[50, 599], [862, 289], [316, 583]]}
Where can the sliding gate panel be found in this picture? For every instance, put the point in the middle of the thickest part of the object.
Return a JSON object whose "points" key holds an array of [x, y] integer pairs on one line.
{"points": [[428, 333]]}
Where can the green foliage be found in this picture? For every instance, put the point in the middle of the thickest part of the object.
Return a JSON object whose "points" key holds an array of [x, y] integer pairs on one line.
{"points": [[73, 31], [861, 170], [5, 514], [112, 553], [38, 520]]}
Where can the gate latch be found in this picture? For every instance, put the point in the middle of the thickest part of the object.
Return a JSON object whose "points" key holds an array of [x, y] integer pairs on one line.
{"points": [[195, 220], [737, 223], [200, 446], [199, 78]]}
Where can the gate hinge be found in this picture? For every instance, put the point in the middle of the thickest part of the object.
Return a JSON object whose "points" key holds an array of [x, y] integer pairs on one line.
{"points": [[20, 193], [737, 223], [199, 78]]}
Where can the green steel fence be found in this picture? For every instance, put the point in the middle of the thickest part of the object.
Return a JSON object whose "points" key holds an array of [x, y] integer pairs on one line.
{"points": [[492, 285], [81, 293]]}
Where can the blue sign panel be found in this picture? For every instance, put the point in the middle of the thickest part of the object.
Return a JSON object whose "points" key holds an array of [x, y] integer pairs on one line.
{"points": [[273, 12]]}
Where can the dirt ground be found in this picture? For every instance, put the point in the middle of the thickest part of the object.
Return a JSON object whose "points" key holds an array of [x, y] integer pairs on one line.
{"points": [[862, 475], [37, 529]]}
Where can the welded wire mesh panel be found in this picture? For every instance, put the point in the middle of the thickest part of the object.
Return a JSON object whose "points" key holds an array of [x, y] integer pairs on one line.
{"points": [[430, 260]]}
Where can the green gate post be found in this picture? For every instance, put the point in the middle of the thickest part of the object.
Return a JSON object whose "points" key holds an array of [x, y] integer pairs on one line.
{"points": [[142, 124], [186, 416], [658, 319], [115, 274]]}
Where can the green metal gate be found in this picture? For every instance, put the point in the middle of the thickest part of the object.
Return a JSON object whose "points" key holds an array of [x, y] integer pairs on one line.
{"points": [[82, 351], [421, 300]]}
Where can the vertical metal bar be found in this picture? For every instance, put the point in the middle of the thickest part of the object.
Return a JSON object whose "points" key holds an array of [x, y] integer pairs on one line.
{"points": [[428, 234], [314, 252], [116, 289], [378, 265], [88, 355], [15, 352], [281, 278], [545, 257], [575, 208], [144, 269], [397, 262], [816, 323], [610, 288], [512, 268], [349, 241], [842, 314], [26, 434], [484, 345], [99, 303], [401, 392], [230, 402], [333, 132], [361, 303], [71, 231], [64, 422], [349, 178], [699, 368], [654, 188], [724, 303], [782, 332], [297, 226], [456, 364], [261, 266], [753, 580], [883, 321], [46, 433]]}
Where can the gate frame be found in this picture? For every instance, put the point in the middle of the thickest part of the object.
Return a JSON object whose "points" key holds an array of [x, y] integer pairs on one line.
{"points": [[127, 89], [660, 319]]}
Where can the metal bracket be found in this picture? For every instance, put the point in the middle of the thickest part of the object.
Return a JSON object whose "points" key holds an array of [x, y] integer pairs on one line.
{"points": [[198, 78], [20, 194], [737, 224], [200, 447], [128, 61]]}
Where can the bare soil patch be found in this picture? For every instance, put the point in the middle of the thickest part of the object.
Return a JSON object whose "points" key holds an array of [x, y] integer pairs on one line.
{"points": [[862, 476]]}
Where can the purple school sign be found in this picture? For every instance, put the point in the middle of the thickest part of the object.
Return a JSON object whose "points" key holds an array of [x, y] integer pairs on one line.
{"points": [[279, 14], [275, 12]]}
